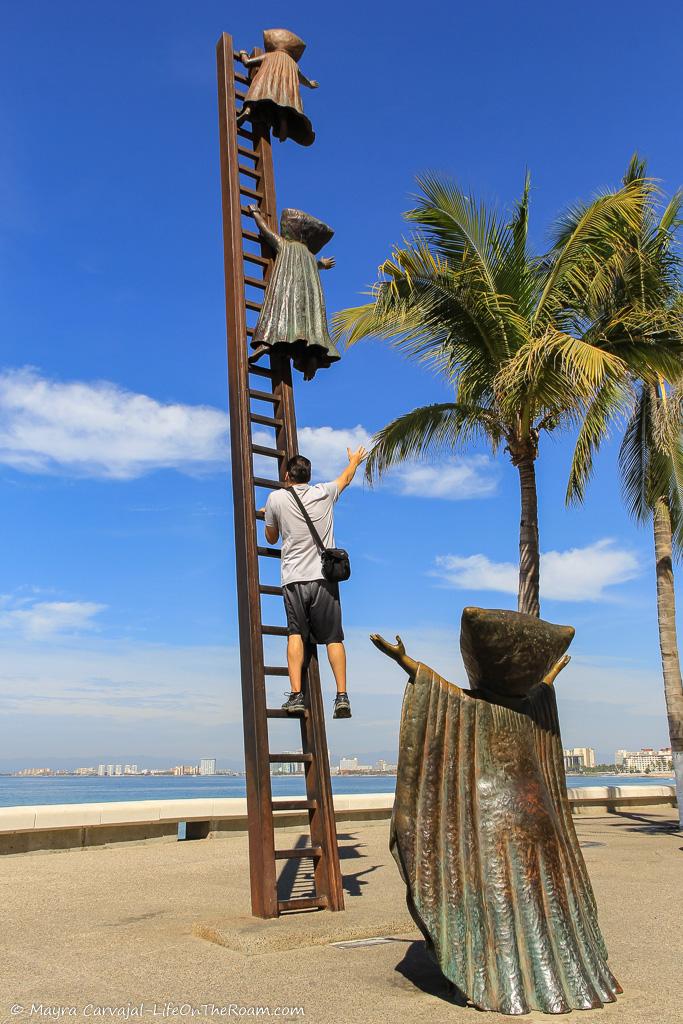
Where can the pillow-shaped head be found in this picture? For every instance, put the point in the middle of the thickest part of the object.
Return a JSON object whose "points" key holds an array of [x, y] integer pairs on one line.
{"points": [[283, 39], [508, 652], [298, 226]]}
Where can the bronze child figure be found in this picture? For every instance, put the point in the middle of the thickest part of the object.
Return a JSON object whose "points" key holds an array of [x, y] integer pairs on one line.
{"points": [[482, 829], [293, 318], [274, 95]]}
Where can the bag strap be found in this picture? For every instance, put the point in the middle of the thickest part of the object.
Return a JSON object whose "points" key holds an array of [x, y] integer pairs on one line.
{"points": [[314, 533]]}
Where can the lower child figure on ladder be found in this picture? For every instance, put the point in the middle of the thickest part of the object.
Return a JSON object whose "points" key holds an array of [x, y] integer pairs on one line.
{"points": [[311, 602]]}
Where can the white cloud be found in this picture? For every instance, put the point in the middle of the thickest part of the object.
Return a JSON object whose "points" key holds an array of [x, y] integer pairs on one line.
{"points": [[578, 574], [44, 620], [454, 479], [100, 429]]}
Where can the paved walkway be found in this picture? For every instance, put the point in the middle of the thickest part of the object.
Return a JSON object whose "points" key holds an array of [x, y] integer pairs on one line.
{"points": [[168, 923]]}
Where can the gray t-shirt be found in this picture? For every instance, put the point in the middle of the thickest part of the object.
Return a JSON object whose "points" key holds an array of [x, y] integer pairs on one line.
{"points": [[300, 561]]}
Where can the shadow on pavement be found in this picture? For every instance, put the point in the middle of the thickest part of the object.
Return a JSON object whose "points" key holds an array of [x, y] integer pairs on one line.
{"points": [[419, 969], [644, 824], [296, 877]]}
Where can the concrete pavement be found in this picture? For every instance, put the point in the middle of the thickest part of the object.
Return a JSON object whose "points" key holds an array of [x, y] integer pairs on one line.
{"points": [[138, 927]]}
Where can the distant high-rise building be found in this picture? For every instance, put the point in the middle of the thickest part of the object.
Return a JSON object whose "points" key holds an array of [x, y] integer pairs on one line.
{"points": [[579, 757], [645, 760], [110, 769], [207, 766], [118, 770], [101, 769], [348, 764]]}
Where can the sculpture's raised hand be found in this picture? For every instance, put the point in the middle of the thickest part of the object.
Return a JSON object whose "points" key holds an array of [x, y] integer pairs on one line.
{"points": [[550, 678], [396, 651], [327, 262]]}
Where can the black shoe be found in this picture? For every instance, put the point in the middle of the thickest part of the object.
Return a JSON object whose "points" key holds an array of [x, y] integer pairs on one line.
{"points": [[294, 703], [342, 706]]}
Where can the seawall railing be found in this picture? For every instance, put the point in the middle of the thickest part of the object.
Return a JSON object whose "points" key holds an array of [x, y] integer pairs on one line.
{"points": [[78, 826]]}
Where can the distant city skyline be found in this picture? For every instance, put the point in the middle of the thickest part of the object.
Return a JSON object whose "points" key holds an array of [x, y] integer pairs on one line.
{"points": [[577, 758]]}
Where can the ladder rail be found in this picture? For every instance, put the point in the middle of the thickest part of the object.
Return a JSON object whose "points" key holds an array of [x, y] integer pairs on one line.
{"points": [[256, 746]]}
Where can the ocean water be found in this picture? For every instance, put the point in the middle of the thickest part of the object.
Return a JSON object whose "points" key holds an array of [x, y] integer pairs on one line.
{"points": [[24, 790]]}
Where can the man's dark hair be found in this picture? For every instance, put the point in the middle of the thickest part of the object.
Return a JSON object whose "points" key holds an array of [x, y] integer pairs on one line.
{"points": [[299, 469]]}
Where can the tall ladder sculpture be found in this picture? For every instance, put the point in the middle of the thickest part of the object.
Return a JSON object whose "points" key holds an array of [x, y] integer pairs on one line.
{"points": [[247, 177]]}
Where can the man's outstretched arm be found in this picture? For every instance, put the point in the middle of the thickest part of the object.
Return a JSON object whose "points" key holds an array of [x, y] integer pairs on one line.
{"points": [[355, 459]]}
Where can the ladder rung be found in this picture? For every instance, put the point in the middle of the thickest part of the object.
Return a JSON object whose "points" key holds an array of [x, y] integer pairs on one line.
{"points": [[276, 670], [260, 260], [246, 212], [249, 171], [250, 333], [302, 903], [272, 485], [260, 371], [290, 758], [295, 805], [254, 282], [265, 421], [251, 153], [251, 192], [299, 851], [281, 713], [240, 95], [244, 134], [268, 453], [260, 515], [271, 553], [256, 306], [263, 396], [264, 588], [251, 236], [273, 630], [241, 78]]}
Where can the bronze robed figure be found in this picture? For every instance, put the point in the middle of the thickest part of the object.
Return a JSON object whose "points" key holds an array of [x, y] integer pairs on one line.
{"points": [[274, 95], [482, 830], [293, 316]]}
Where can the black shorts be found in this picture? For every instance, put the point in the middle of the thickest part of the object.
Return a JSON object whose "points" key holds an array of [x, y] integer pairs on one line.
{"points": [[314, 611]]}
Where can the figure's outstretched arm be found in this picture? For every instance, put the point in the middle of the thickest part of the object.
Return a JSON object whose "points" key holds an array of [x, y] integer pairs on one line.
{"points": [[250, 62], [326, 263], [271, 237], [308, 82], [396, 651], [550, 678]]}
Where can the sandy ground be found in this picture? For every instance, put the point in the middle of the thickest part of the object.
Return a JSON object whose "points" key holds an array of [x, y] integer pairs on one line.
{"points": [[162, 930]]}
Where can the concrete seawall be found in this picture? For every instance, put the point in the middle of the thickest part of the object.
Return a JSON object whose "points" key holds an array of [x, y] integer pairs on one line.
{"points": [[78, 826]]}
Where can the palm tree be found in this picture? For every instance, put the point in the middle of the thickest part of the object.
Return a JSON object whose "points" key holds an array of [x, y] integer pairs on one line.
{"points": [[466, 297], [644, 272]]}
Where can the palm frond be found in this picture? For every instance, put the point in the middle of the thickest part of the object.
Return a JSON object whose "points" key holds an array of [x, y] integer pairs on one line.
{"points": [[584, 237], [609, 404], [428, 430], [635, 458]]}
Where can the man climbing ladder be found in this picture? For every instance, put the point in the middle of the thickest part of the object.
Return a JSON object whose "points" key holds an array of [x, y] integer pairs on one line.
{"points": [[311, 602]]}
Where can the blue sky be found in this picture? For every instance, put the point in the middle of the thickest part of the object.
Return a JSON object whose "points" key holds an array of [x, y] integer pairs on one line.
{"points": [[118, 614]]}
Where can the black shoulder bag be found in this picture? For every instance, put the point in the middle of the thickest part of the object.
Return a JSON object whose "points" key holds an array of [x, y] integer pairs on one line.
{"points": [[335, 561]]}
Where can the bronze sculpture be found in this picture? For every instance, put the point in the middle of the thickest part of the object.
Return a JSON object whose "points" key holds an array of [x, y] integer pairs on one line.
{"points": [[274, 95], [482, 830], [293, 317]]}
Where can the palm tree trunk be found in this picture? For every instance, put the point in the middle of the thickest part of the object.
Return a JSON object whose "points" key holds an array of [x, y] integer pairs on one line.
{"points": [[529, 554], [668, 642]]}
